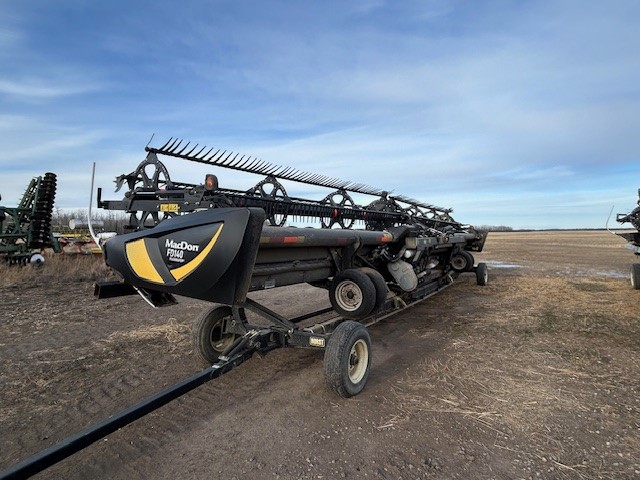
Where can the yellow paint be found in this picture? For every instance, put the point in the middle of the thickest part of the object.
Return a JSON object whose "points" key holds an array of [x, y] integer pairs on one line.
{"points": [[140, 262], [169, 207], [181, 272]]}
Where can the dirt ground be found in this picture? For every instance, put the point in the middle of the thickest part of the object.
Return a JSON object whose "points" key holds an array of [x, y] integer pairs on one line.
{"points": [[535, 375]]}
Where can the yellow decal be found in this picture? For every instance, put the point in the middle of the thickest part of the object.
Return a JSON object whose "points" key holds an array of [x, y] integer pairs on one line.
{"points": [[140, 262], [181, 272], [169, 207]]}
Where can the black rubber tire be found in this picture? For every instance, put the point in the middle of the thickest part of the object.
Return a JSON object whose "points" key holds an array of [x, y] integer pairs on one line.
{"points": [[380, 285], [347, 359], [482, 274], [462, 261], [352, 294], [207, 335], [635, 276]]}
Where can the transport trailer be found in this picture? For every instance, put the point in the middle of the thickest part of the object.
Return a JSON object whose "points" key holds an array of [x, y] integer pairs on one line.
{"points": [[219, 245], [221, 255]]}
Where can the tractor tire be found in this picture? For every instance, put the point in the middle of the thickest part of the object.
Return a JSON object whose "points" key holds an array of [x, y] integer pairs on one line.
{"points": [[635, 276], [347, 359], [482, 274], [208, 333], [352, 294], [380, 285]]}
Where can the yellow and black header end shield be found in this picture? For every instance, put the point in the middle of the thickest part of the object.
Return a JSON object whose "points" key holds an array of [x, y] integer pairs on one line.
{"points": [[207, 255]]}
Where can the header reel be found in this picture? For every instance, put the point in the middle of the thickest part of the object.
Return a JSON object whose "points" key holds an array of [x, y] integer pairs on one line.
{"points": [[152, 196]]}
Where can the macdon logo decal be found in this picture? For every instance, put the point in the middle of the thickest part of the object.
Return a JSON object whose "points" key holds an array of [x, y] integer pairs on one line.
{"points": [[175, 250]]}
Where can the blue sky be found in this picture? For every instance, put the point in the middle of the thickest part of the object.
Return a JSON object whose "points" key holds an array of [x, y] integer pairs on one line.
{"points": [[513, 113]]}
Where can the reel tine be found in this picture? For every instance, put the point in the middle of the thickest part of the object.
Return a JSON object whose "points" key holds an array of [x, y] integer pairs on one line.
{"points": [[236, 163], [197, 155], [326, 180], [191, 151], [240, 163], [204, 157], [252, 163], [165, 145], [216, 156], [273, 172], [316, 180], [169, 148], [228, 162], [224, 162], [264, 169], [311, 178], [176, 143], [284, 172], [297, 175], [335, 182], [305, 178], [272, 168], [183, 149], [320, 180], [258, 166], [302, 175]]}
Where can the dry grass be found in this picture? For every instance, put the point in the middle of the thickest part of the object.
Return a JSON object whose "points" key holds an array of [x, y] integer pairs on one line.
{"points": [[56, 269], [550, 357], [177, 334]]}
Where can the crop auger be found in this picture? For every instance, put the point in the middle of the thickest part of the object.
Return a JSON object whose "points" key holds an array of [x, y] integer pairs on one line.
{"points": [[218, 245], [26, 229]]}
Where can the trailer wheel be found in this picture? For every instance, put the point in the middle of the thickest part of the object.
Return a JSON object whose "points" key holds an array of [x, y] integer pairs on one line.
{"points": [[635, 276], [208, 334], [347, 359], [462, 261], [482, 274], [380, 285], [352, 294]]}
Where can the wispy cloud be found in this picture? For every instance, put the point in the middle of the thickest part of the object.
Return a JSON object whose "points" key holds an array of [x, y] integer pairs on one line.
{"points": [[35, 88]]}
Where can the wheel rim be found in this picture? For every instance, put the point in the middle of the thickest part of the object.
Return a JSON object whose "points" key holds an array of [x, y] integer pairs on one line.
{"points": [[633, 279], [220, 341], [358, 361], [458, 262], [348, 296]]}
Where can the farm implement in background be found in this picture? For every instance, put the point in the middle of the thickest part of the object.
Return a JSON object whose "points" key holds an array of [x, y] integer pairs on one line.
{"points": [[633, 239], [25, 230], [218, 245], [76, 239]]}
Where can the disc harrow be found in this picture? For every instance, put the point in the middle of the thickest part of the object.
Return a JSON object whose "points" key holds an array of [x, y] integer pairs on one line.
{"points": [[26, 229]]}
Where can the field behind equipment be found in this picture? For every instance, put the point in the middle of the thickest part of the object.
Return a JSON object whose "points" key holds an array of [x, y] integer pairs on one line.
{"points": [[535, 375]]}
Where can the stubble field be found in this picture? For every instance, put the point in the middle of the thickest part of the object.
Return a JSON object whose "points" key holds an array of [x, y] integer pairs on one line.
{"points": [[535, 375]]}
